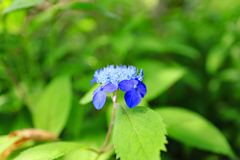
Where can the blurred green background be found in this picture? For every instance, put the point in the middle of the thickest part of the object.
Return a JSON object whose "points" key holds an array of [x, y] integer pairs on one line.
{"points": [[189, 51]]}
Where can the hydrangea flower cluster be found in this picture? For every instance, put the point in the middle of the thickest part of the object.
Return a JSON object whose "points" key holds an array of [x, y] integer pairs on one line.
{"points": [[125, 78]]}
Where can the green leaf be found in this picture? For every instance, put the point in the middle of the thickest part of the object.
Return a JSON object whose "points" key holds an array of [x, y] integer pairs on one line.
{"points": [[15, 22], [139, 134], [88, 96], [89, 155], [49, 151], [21, 4], [91, 6], [75, 120], [52, 109], [6, 142], [153, 44], [218, 54], [10, 103], [161, 79], [194, 130]]}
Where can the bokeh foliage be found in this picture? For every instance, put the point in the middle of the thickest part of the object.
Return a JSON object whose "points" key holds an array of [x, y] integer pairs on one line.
{"points": [[189, 50]]}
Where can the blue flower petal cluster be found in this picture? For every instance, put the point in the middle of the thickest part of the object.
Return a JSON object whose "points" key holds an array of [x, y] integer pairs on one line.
{"points": [[123, 77]]}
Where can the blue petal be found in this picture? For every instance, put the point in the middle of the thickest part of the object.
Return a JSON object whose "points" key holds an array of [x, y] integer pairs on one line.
{"points": [[92, 81], [109, 87], [142, 95], [141, 75], [142, 88], [126, 85], [134, 82], [96, 90], [99, 99], [132, 98]]}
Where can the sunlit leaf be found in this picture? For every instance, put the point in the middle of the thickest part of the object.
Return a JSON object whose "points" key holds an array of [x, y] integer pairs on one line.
{"points": [[194, 130], [52, 109], [139, 134], [21, 4], [88, 96], [89, 155], [49, 151], [15, 22], [6, 142]]}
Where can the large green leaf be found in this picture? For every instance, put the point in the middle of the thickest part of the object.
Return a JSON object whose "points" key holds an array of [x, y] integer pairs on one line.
{"points": [[20, 4], [194, 130], [139, 134], [52, 109], [49, 151], [161, 79]]}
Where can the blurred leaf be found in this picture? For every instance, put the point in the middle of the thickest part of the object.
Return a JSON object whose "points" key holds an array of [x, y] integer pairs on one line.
{"points": [[23, 120], [10, 103], [235, 54], [193, 80], [159, 78], [42, 18], [88, 96], [75, 119], [230, 114], [231, 75], [45, 16], [91, 6], [89, 155], [6, 143], [15, 22], [146, 44], [49, 151], [53, 107], [139, 134], [21, 4], [122, 43], [194, 130], [217, 54]]}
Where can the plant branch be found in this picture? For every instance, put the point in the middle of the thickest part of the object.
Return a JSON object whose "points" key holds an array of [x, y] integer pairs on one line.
{"points": [[103, 150], [108, 149]]}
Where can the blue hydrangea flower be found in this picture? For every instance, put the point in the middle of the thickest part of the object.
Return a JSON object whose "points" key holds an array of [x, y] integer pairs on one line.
{"points": [[126, 78]]}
